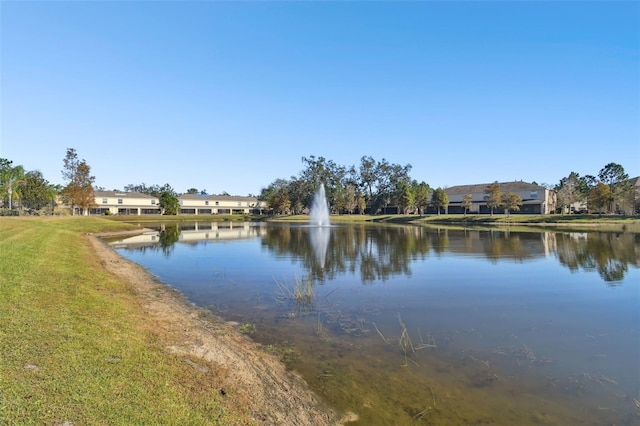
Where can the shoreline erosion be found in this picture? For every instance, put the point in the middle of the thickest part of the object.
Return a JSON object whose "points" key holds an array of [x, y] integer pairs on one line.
{"points": [[274, 394]]}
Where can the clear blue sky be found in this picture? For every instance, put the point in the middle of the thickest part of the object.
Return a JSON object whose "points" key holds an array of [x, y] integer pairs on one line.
{"points": [[229, 96]]}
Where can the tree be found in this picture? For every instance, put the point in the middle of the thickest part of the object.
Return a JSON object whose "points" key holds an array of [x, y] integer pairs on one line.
{"points": [[493, 197], [79, 189], [277, 196], [586, 184], [37, 192], [280, 202], [351, 198], [568, 191], [322, 171], [440, 199], [10, 180], [153, 190], [362, 204], [367, 175], [511, 202], [467, 202], [169, 203], [614, 176], [406, 201], [422, 194], [600, 196]]}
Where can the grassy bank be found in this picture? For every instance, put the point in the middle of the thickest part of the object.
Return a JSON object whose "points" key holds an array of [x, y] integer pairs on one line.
{"points": [[75, 345], [155, 218], [582, 222]]}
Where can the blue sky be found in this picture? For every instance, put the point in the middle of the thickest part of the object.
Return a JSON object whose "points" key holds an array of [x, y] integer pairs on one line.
{"points": [[229, 96]]}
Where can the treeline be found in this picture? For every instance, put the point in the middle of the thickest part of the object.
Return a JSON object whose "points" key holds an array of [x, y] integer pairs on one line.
{"points": [[28, 192], [611, 191], [372, 185], [22, 189]]}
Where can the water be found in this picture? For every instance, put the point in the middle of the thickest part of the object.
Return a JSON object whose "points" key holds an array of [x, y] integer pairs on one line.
{"points": [[413, 325]]}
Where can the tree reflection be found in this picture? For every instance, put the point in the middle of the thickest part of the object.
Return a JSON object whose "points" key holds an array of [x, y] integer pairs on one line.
{"points": [[169, 235], [607, 253], [375, 252], [381, 252]]}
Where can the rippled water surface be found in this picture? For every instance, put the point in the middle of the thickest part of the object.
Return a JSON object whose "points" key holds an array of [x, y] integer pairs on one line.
{"points": [[404, 325]]}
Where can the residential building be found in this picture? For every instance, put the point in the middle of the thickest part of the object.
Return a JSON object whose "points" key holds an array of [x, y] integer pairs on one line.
{"points": [[220, 204], [125, 203], [536, 199], [135, 203]]}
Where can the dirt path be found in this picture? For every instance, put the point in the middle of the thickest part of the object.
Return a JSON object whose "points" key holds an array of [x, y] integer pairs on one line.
{"points": [[278, 396]]}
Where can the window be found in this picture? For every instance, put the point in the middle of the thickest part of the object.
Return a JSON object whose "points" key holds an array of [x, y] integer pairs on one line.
{"points": [[104, 201], [534, 194], [153, 202], [217, 203], [119, 200], [206, 203], [239, 203]]}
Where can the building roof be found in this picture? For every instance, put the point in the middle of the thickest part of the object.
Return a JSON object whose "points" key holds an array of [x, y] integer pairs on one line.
{"points": [[123, 194], [504, 187], [216, 197], [139, 195]]}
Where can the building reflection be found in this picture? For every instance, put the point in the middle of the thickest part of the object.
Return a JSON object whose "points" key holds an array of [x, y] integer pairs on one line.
{"points": [[377, 252]]}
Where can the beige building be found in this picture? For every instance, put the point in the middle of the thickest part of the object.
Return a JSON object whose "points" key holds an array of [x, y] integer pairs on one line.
{"points": [[127, 203], [536, 199], [220, 204], [135, 203]]}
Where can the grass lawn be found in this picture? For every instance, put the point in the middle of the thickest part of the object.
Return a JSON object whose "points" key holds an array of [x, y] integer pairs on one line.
{"points": [[75, 345], [593, 222]]}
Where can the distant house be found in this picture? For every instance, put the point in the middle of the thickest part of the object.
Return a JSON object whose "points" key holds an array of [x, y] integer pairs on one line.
{"points": [[628, 203], [631, 203], [536, 199], [128, 203], [135, 203], [220, 204]]}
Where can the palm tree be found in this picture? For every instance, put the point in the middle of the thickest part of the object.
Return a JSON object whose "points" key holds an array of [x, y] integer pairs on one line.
{"points": [[10, 180]]}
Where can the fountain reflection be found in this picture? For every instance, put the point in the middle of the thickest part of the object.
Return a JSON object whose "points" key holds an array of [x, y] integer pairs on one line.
{"points": [[319, 237], [381, 252]]}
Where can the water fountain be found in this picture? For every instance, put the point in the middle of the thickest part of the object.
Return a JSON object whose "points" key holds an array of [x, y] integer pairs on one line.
{"points": [[319, 219], [319, 214]]}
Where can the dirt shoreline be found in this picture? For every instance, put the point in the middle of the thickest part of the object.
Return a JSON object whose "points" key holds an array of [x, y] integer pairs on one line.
{"points": [[277, 396]]}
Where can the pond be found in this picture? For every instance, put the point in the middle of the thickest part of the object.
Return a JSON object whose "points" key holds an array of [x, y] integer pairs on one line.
{"points": [[408, 324]]}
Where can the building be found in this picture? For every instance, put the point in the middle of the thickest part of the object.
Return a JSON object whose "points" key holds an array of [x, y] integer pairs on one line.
{"points": [[627, 203], [127, 203], [135, 203], [536, 199], [220, 204]]}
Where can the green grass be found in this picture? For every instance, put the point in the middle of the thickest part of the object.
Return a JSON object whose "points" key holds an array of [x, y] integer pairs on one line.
{"points": [[75, 344], [155, 218], [592, 222]]}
